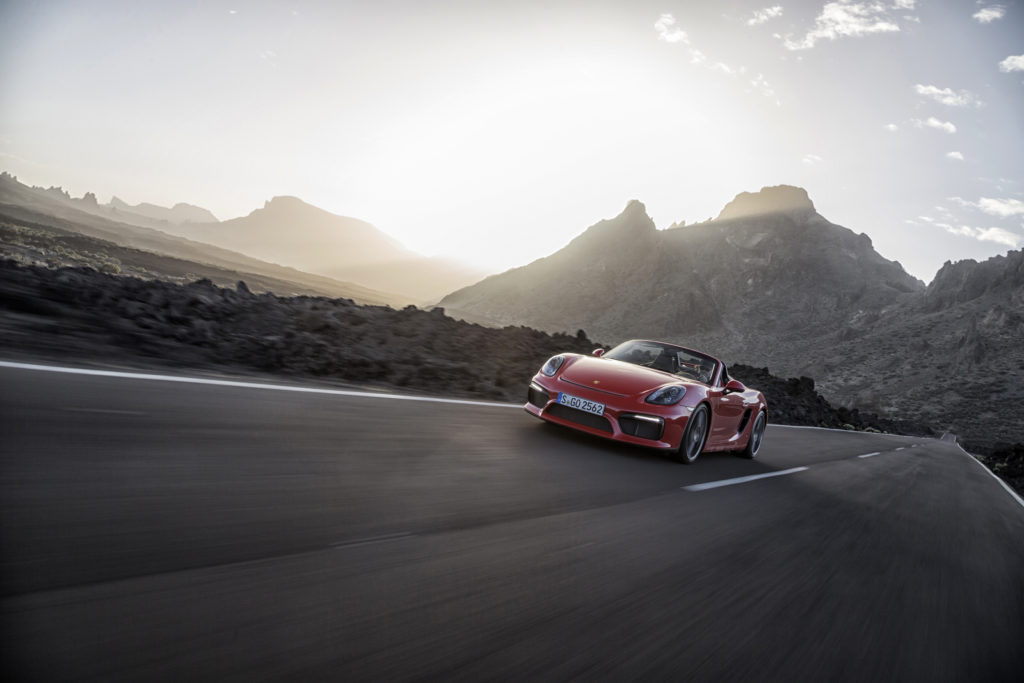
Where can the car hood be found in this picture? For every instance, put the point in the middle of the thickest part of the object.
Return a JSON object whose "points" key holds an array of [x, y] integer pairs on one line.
{"points": [[616, 376]]}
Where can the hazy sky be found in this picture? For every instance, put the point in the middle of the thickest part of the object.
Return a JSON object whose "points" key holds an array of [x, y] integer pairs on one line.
{"points": [[496, 131]]}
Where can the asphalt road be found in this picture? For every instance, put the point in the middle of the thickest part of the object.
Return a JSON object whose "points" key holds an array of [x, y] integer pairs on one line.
{"points": [[174, 531]]}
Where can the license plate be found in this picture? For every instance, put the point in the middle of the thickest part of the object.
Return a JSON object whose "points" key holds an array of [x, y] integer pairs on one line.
{"points": [[581, 404]]}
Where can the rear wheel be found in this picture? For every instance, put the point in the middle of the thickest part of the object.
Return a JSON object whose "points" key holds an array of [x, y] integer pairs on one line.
{"points": [[694, 436], [756, 437]]}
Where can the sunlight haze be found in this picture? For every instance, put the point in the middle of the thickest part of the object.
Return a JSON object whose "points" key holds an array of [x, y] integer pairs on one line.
{"points": [[496, 132]]}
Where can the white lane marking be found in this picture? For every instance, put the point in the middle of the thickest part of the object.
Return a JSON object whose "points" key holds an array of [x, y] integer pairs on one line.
{"points": [[373, 539], [900, 448], [869, 455], [249, 385], [103, 411], [824, 429], [740, 480], [992, 474]]}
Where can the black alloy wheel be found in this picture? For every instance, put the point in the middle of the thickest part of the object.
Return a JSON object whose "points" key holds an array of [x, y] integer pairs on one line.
{"points": [[756, 437], [694, 436]]}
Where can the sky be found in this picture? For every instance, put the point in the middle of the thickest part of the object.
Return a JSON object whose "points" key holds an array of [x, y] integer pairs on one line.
{"points": [[495, 132]]}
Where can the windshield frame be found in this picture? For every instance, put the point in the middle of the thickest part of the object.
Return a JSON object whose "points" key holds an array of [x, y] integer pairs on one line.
{"points": [[621, 351]]}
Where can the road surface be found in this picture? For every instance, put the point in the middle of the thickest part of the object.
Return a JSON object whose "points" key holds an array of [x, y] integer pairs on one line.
{"points": [[156, 530]]}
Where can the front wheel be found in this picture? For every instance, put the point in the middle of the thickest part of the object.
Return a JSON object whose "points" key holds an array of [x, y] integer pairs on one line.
{"points": [[756, 437], [694, 436]]}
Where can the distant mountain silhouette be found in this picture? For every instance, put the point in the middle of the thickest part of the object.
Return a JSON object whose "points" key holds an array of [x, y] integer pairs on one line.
{"points": [[55, 218], [291, 232], [772, 282], [179, 213]]}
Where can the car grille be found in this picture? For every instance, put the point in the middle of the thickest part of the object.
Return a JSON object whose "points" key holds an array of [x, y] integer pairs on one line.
{"points": [[580, 417], [645, 429]]}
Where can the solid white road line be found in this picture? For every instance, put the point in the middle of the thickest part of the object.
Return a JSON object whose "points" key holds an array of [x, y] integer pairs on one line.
{"points": [[992, 474], [869, 455], [248, 385], [900, 448], [375, 539], [740, 480]]}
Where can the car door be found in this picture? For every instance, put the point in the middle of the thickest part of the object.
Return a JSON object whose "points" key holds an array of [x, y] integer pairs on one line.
{"points": [[726, 413]]}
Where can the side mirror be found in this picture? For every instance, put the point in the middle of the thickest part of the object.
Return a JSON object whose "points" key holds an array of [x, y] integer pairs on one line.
{"points": [[734, 386], [598, 352]]}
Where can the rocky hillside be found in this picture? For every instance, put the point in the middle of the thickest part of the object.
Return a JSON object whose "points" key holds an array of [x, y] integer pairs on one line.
{"points": [[46, 226], [761, 283], [952, 356], [86, 315], [30, 243]]}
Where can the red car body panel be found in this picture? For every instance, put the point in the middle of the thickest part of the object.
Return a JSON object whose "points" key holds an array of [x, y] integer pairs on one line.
{"points": [[623, 388]]}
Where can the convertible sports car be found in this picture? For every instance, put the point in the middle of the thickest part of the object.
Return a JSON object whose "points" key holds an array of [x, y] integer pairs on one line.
{"points": [[651, 394]]}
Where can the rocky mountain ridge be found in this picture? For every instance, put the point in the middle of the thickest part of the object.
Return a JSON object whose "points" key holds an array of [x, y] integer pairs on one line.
{"points": [[179, 213], [732, 284]]}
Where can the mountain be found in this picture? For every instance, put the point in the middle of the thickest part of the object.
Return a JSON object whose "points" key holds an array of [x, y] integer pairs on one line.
{"points": [[768, 274], [291, 232], [772, 282], [47, 225], [951, 356], [179, 213]]}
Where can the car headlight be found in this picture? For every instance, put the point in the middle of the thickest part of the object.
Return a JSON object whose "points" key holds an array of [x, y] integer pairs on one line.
{"points": [[551, 367], [667, 396]]}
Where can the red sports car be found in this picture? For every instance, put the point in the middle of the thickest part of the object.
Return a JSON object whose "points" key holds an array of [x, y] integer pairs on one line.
{"points": [[651, 394]]}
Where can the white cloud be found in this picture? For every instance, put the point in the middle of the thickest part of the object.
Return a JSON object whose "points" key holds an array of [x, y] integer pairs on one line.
{"points": [[726, 69], [955, 155], [904, 4], [812, 159], [997, 235], [763, 86], [1012, 63], [1001, 207], [763, 15], [891, 127], [932, 122], [668, 31], [948, 96], [987, 15], [846, 19], [1004, 208]]}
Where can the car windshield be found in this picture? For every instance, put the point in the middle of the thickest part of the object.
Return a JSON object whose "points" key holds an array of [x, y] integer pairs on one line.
{"points": [[666, 358]]}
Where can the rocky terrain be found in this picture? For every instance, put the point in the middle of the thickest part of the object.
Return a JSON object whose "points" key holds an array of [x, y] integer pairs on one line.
{"points": [[81, 314], [771, 282], [952, 356]]}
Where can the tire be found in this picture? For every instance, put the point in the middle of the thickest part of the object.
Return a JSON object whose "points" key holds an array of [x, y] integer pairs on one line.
{"points": [[694, 437], [756, 437]]}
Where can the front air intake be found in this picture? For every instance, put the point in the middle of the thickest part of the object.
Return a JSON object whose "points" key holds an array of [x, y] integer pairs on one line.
{"points": [[643, 426], [580, 417], [537, 396]]}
